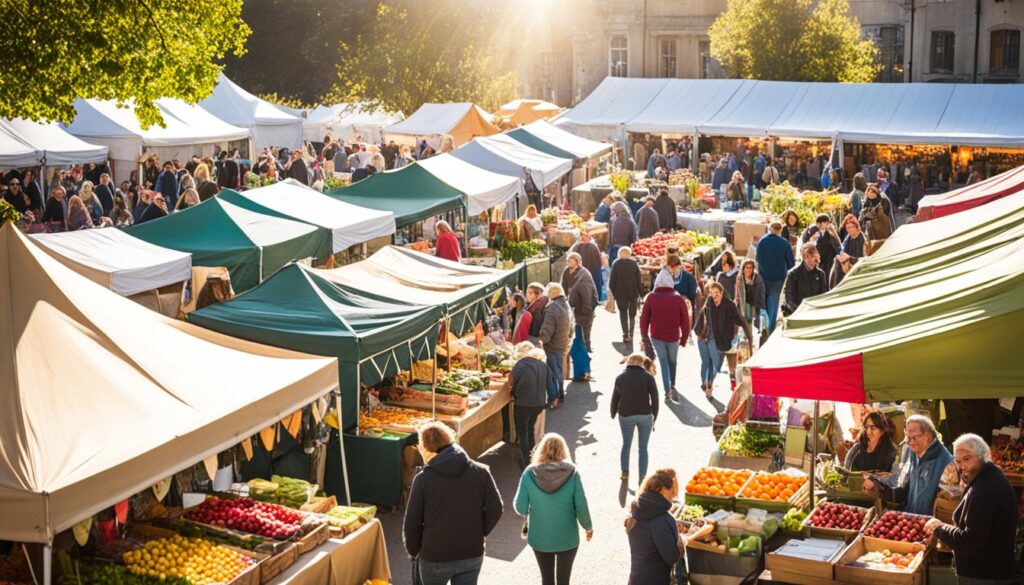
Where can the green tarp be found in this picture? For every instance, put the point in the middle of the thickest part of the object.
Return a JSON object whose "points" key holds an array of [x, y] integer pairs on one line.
{"points": [[537, 143], [411, 193], [250, 245], [934, 313], [299, 309]]}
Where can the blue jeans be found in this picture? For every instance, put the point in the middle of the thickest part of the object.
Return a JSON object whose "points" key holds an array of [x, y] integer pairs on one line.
{"points": [[644, 423], [556, 364], [464, 572], [772, 295], [667, 352], [710, 359]]}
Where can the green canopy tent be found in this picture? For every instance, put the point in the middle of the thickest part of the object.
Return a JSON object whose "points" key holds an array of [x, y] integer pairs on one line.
{"points": [[372, 339], [411, 193], [250, 245]]}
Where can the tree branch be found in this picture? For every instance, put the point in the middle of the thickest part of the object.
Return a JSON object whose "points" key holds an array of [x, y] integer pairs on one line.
{"points": [[152, 20]]}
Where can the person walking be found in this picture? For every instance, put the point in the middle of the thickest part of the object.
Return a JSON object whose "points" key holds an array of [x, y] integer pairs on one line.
{"points": [[453, 505], [551, 498], [774, 260], [579, 286], [531, 393], [624, 282], [592, 260], [635, 401], [654, 542], [666, 209], [554, 335], [664, 326], [623, 230], [750, 293], [804, 281], [717, 324], [647, 218]]}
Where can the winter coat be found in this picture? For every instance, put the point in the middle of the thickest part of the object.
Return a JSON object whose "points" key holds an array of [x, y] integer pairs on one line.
{"points": [[583, 294], [447, 247], [647, 221], [529, 379], [828, 247], [666, 208], [603, 213], [728, 282], [556, 325], [453, 505], [686, 285], [552, 496], [722, 320], [590, 256], [536, 310], [653, 538], [665, 316], [802, 283], [774, 258], [624, 280], [636, 392], [984, 527], [919, 480], [167, 185], [623, 230], [521, 327]]}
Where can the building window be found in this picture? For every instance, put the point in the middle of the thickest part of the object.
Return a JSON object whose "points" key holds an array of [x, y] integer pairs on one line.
{"points": [[668, 58], [1004, 57], [618, 56], [889, 40], [710, 68], [942, 51]]}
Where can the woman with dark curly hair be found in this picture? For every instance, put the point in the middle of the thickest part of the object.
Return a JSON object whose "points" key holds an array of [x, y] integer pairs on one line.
{"points": [[790, 225], [875, 450]]}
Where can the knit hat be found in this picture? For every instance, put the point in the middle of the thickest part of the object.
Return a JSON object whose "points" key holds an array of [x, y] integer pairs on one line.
{"points": [[664, 280]]}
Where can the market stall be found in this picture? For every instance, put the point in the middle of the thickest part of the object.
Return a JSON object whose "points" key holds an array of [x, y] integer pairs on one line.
{"points": [[147, 274], [347, 121], [412, 193], [270, 126], [349, 224], [483, 188], [550, 139], [250, 245], [505, 155], [971, 196], [460, 122], [25, 143], [521, 112]]}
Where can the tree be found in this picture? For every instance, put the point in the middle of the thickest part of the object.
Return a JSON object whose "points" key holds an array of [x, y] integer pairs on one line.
{"points": [[132, 51], [411, 56], [792, 40]]}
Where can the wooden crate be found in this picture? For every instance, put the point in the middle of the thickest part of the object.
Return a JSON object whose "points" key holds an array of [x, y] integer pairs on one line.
{"points": [[840, 533], [250, 576], [313, 539], [814, 570], [844, 573], [279, 563], [741, 462], [321, 507], [944, 507]]}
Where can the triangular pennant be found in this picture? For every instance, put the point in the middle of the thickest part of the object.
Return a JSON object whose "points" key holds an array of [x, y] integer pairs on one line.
{"points": [[81, 531], [121, 511], [293, 423], [161, 488], [247, 448], [210, 463], [267, 437]]}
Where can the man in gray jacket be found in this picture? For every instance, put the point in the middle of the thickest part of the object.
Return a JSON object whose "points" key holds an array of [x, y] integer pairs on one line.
{"points": [[582, 292], [555, 333]]}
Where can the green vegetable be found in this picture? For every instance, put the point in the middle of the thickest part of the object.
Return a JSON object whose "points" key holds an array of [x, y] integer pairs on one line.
{"points": [[519, 251], [770, 526], [742, 441], [749, 545], [691, 513], [794, 520]]}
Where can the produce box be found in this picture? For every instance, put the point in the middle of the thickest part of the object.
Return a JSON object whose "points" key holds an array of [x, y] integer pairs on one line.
{"points": [[320, 505], [314, 538], [855, 517], [239, 523], [944, 507], [805, 562], [894, 526], [770, 491], [273, 566], [706, 565], [250, 576], [849, 568], [762, 463], [751, 443]]}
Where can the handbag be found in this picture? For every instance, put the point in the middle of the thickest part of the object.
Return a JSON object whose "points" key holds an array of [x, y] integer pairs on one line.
{"points": [[609, 305]]}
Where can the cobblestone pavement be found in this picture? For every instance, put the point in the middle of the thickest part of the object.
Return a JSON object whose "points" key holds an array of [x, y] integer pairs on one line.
{"points": [[682, 439]]}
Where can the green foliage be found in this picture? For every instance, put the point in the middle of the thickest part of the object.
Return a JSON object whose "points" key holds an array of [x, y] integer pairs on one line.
{"points": [[410, 56], [55, 51], [8, 213], [792, 40]]}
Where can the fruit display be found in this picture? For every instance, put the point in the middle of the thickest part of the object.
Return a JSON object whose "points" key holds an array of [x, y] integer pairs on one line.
{"points": [[194, 560], [282, 490], [900, 526], [350, 518], [115, 549], [1008, 454], [102, 573], [743, 441], [690, 513], [838, 516], [248, 515], [793, 521], [773, 487], [393, 417], [713, 481], [775, 199], [886, 560], [656, 245]]}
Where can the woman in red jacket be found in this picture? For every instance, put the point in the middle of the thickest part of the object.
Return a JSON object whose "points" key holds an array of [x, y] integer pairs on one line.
{"points": [[447, 245], [521, 319], [665, 325]]}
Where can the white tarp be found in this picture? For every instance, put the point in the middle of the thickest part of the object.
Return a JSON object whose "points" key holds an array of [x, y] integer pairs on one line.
{"points": [[614, 102], [753, 109], [187, 130], [54, 144], [579, 147], [984, 115], [349, 224], [484, 189], [684, 104], [270, 125], [347, 121], [116, 260], [15, 153], [825, 109], [501, 154]]}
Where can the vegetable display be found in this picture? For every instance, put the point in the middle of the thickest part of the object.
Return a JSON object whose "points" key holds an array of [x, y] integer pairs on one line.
{"points": [[691, 513], [461, 382], [747, 442], [712, 481], [830, 515], [248, 515], [900, 526], [198, 561], [776, 199], [773, 487], [519, 251], [285, 491], [793, 521], [1008, 454], [396, 418], [656, 245]]}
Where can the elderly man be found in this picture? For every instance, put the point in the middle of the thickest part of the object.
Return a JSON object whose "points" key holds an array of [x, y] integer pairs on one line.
{"points": [[804, 281], [555, 333], [579, 286], [647, 218], [984, 524], [918, 481], [590, 256]]}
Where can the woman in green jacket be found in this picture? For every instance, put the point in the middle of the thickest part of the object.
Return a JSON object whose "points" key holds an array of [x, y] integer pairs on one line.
{"points": [[551, 497]]}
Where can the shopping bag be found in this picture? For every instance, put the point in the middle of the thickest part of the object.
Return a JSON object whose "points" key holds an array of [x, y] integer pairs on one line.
{"points": [[609, 305]]}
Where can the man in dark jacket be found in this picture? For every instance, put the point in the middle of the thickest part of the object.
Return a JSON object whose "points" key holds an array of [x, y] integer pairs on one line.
{"points": [[647, 218], [622, 231], [985, 521], [804, 281], [296, 168], [167, 185], [825, 238], [227, 171], [453, 505], [555, 333], [105, 193], [579, 286], [666, 209], [626, 286], [535, 303], [531, 393], [774, 261]]}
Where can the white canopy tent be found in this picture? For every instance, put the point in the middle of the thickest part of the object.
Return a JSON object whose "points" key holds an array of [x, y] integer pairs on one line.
{"points": [[462, 121], [270, 125], [684, 104], [614, 102], [752, 109], [349, 224], [507, 156], [347, 121], [187, 130], [484, 189], [116, 260], [582, 149], [54, 144], [14, 152]]}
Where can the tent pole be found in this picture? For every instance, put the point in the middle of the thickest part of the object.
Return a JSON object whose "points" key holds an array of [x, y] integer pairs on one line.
{"points": [[433, 388], [341, 441], [814, 453], [447, 346], [47, 564], [695, 153]]}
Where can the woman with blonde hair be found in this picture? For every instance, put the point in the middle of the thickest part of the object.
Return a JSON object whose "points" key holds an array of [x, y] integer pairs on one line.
{"points": [[189, 198], [533, 224], [551, 497], [91, 202]]}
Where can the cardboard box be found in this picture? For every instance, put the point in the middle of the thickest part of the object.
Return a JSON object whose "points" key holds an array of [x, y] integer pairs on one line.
{"points": [[845, 573]]}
